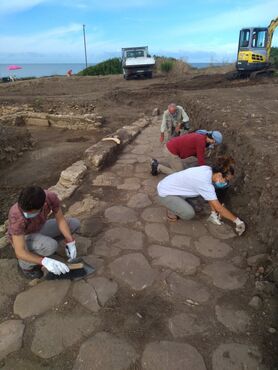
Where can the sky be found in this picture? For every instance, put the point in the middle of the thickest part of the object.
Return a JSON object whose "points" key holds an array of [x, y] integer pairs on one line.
{"points": [[50, 31]]}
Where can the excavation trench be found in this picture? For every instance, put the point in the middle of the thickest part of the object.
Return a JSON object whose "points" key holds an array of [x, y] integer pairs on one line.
{"points": [[254, 193]]}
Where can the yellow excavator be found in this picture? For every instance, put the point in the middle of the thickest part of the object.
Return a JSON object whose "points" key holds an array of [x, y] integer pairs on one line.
{"points": [[254, 47]]}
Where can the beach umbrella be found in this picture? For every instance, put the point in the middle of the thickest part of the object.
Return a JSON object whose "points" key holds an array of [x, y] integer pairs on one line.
{"points": [[14, 67]]}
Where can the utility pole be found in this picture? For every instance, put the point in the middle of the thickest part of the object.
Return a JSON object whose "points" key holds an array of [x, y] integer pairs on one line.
{"points": [[85, 48]]}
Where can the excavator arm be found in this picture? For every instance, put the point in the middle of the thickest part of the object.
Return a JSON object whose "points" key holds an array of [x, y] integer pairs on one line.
{"points": [[270, 30]]}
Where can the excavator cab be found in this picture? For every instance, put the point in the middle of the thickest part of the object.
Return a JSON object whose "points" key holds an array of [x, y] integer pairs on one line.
{"points": [[252, 49]]}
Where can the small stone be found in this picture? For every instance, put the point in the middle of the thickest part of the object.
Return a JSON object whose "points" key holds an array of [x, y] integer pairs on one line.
{"points": [[174, 259], [256, 302], [154, 214], [11, 333], [56, 331], [134, 270], [256, 260], [185, 324], [266, 287], [234, 356], [40, 298], [235, 320], [86, 295], [4, 242], [272, 330], [139, 200], [225, 275], [210, 247], [157, 232], [105, 352], [120, 214], [104, 288], [166, 355], [183, 289], [156, 112]]}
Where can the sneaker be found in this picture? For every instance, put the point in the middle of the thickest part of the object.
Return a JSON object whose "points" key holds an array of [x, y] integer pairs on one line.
{"points": [[154, 165], [33, 273]]}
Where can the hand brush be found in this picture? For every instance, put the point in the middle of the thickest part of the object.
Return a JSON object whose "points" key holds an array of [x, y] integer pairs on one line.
{"points": [[77, 271]]}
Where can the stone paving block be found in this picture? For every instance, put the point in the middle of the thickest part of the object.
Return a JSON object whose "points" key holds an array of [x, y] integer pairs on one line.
{"points": [[210, 247], [107, 179], [143, 167], [120, 214], [4, 302], [105, 352], [87, 206], [184, 289], [234, 319], [157, 232], [83, 244], [131, 183], [123, 170], [95, 261], [41, 298], [86, 295], [185, 324], [56, 331], [167, 355], [11, 333], [224, 231], [225, 275], [73, 174], [139, 200], [104, 288], [91, 226], [174, 259], [102, 248], [11, 281], [194, 229], [24, 364], [181, 241], [234, 356], [140, 149], [124, 238], [154, 214], [257, 260], [134, 270]]}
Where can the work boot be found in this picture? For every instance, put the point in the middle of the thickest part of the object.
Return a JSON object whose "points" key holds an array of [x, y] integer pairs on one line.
{"points": [[154, 165], [33, 273]]}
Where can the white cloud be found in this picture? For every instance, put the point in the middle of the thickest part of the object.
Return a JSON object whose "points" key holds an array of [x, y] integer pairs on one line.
{"points": [[15, 6]]}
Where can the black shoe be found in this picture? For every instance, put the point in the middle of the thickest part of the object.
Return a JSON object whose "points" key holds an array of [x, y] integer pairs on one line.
{"points": [[33, 273], [154, 165]]}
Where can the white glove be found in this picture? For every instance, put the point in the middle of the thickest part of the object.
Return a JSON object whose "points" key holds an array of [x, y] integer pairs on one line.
{"points": [[54, 266], [215, 218], [71, 250], [240, 226]]}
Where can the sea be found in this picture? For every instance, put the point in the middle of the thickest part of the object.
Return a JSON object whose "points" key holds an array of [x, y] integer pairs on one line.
{"points": [[60, 69]]}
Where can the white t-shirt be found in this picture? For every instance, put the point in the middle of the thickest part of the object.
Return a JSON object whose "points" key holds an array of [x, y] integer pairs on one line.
{"points": [[189, 183]]}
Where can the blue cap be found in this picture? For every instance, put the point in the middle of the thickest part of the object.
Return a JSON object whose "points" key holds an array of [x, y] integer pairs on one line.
{"points": [[217, 136]]}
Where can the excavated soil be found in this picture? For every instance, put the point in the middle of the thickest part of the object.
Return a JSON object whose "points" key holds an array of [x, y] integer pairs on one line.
{"points": [[245, 111]]}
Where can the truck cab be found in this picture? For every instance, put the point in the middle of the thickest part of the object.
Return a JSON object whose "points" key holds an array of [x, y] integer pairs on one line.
{"points": [[137, 62]]}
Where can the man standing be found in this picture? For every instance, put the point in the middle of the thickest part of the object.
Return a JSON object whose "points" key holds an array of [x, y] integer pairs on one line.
{"points": [[33, 236], [185, 146], [175, 122]]}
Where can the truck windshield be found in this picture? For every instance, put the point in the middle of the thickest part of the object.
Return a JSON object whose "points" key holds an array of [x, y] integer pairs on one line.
{"points": [[259, 38], [244, 38], [135, 53]]}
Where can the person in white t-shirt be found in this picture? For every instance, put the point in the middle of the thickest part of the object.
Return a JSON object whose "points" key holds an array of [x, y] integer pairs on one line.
{"points": [[202, 181]]}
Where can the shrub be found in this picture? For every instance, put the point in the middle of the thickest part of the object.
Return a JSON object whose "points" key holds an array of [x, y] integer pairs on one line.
{"points": [[108, 67], [166, 66]]}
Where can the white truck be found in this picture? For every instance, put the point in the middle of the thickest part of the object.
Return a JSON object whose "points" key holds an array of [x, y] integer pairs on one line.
{"points": [[137, 62]]}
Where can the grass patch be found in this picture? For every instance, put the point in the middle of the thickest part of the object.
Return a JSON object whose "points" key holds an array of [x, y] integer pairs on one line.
{"points": [[108, 67]]}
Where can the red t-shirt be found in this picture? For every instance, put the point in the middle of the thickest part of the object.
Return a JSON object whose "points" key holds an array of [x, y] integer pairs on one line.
{"points": [[188, 145], [19, 225]]}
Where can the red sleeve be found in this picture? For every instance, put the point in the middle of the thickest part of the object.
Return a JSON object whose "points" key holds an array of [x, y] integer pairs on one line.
{"points": [[200, 150], [53, 201]]}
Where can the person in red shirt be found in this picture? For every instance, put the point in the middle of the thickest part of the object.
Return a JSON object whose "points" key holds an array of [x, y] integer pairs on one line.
{"points": [[32, 235], [185, 146]]}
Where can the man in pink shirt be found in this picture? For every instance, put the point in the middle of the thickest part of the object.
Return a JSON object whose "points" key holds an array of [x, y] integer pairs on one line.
{"points": [[185, 146], [33, 236]]}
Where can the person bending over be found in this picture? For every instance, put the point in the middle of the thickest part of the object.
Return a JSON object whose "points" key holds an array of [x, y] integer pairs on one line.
{"points": [[183, 147], [175, 189], [175, 122], [32, 235]]}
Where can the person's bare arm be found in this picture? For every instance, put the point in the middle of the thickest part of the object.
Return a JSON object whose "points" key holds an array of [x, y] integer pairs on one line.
{"points": [[22, 252], [224, 212], [63, 225]]}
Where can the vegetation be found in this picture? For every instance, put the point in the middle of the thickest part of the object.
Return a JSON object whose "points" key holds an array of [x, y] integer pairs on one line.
{"points": [[274, 56], [166, 66], [108, 67]]}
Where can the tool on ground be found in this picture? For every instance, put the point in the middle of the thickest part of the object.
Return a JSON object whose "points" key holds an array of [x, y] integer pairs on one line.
{"points": [[115, 139], [78, 270]]}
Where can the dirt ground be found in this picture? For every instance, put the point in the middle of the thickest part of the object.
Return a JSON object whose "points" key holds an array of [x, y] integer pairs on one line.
{"points": [[244, 110]]}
